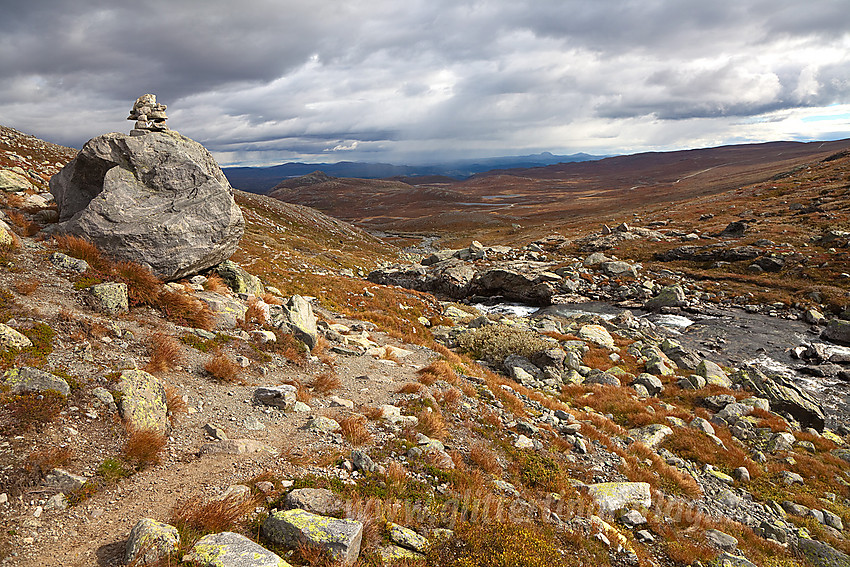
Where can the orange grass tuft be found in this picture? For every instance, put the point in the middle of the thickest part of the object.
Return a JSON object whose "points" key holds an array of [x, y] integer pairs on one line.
{"points": [[165, 351], [220, 366], [143, 447], [354, 430], [325, 383]]}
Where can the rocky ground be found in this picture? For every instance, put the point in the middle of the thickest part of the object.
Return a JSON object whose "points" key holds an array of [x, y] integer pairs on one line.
{"points": [[202, 420]]}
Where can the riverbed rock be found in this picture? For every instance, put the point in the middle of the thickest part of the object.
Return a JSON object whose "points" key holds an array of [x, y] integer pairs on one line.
{"points": [[713, 374], [837, 330], [159, 200], [340, 537], [670, 296]]}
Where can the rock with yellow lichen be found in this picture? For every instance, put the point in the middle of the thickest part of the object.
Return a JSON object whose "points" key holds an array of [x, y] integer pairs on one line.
{"points": [[613, 496], [150, 541], [142, 401], [340, 537], [229, 549]]}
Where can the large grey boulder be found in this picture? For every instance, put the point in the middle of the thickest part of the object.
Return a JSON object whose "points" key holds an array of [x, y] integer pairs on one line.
{"points": [[820, 554], [159, 200], [340, 537]]}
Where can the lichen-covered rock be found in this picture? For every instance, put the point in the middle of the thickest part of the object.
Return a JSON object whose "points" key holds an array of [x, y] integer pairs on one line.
{"points": [[596, 334], [150, 541], [141, 401], [393, 553], [238, 279], [27, 379], [298, 318], [229, 549], [105, 399], [12, 182], [651, 435], [322, 423], [613, 496], [226, 310], [653, 384], [111, 297], [65, 262], [10, 338], [405, 537], [820, 554], [713, 374], [283, 396], [340, 537], [159, 200]]}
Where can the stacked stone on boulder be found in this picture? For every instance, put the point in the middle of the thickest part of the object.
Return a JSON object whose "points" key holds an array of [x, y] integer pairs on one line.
{"points": [[157, 199], [149, 116]]}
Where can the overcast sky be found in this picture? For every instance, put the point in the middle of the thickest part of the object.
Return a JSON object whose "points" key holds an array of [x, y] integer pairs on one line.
{"points": [[404, 81]]}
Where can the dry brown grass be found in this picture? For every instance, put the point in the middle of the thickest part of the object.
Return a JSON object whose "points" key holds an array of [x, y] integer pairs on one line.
{"points": [[21, 224], [221, 367], [175, 403], [143, 446], [272, 299], [255, 314], [83, 250], [43, 460], [354, 430], [775, 422], [302, 393], [325, 383], [165, 351], [196, 517], [432, 424], [449, 398], [27, 286], [143, 287], [185, 310], [484, 458], [438, 370], [372, 413], [410, 388], [396, 475], [216, 284]]}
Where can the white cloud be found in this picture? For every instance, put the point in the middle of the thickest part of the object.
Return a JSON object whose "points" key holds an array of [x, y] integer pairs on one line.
{"points": [[268, 81]]}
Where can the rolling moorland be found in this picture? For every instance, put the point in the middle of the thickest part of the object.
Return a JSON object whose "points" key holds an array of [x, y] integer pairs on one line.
{"points": [[446, 435]]}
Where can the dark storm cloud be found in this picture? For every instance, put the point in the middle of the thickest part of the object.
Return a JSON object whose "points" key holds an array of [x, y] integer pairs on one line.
{"points": [[335, 80]]}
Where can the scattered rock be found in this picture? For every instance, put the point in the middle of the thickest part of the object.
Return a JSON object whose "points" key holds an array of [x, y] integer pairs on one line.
{"points": [[283, 396], [111, 297], [613, 496], [141, 401], [10, 338], [315, 500], [28, 379]]}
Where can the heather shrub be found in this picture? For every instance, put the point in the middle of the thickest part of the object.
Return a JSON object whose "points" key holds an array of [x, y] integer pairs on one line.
{"points": [[494, 342]]}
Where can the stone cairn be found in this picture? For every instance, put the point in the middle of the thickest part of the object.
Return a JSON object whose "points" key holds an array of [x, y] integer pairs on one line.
{"points": [[149, 116]]}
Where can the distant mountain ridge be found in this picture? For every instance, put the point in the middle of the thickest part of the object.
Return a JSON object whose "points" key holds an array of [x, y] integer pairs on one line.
{"points": [[263, 179]]}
